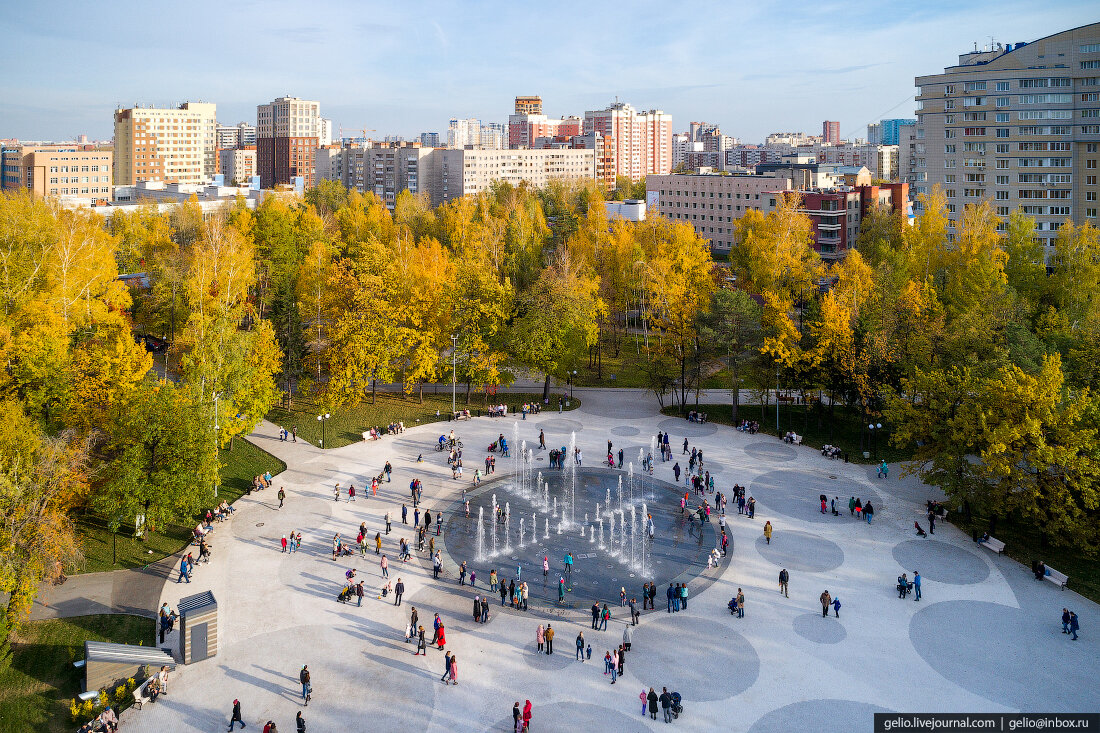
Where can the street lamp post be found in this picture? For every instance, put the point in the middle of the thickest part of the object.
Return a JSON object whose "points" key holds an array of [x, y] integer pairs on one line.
{"points": [[217, 447], [572, 378], [874, 428], [322, 419], [454, 371]]}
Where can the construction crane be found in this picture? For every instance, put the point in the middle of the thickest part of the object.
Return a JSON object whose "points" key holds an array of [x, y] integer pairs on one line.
{"points": [[362, 130]]}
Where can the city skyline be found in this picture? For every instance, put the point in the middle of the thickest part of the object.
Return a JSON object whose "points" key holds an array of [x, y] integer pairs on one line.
{"points": [[403, 71]]}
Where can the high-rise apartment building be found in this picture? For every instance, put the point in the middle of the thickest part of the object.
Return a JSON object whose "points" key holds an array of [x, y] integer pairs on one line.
{"points": [[830, 131], [892, 130], [176, 145], [454, 173], [429, 139], [874, 133], [288, 133], [528, 105], [240, 135], [1018, 124], [238, 165], [492, 136], [524, 131], [636, 144], [461, 133], [73, 172]]}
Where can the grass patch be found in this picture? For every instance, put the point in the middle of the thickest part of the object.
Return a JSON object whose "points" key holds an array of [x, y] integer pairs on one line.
{"points": [[35, 691], [625, 370], [1023, 543], [103, 551], [347, 424], [843, 428]]}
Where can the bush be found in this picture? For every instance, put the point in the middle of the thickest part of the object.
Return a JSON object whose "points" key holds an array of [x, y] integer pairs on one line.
{"points": [[121, 692], [87, 709], [103, 701], [74, 710]]}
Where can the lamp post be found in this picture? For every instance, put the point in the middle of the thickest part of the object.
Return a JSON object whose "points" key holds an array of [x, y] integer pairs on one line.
{"points": [[572, 378], [873, 428], [454, 371], [217, 448], [322, 419]]}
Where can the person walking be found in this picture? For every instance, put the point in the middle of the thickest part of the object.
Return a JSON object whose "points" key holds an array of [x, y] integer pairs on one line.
{"points": [[784, 578], [307, 688], [517, 717], [868, 511], [628, 637], [385, 565], [235, 717], [462, 573], [185, 569], [595, 615], [580, 646], [454, 670], [836, 607], [826, 601], [398, 591], [300, 723], [768, 532], [421, 642], [387, 523], [606, 618], [540, 638], [740, 604], [614, 665], [676, 471], [484, 609], [684, 595], [549, 639], [852, 506], [1065, 621], [651, 698], [283, 542], [916, 585], [282, 495], [1074, 624], [446, 667]]}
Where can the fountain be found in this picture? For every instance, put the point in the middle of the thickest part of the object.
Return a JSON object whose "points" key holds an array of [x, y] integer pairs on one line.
{"points": [[496, 524], [597, 510], [522, 532], [601, 535], [572, 479], [555, 514], [620, 493], [592, 535], [481, 533], [560, 527], [633, 531], [507, 523], [630, 474], [607, 499], [546, 524], [534, 527]]}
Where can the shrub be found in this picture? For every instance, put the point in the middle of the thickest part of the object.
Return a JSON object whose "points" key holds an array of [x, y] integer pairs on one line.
{"points": [[121, 692], [103, 701], [74, 710], [131, 684], [87, 709]]}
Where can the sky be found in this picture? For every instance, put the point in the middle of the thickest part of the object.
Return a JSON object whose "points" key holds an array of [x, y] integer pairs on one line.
{"points": [[401, 68]]}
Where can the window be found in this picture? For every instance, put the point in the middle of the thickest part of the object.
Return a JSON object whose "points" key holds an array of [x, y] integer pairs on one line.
{"points": [[1002, 101], [1090, 48], [974, 117], [949, 163], [1002, 116], [1002, 180], [949, 119], [1003, 163], [1090, 180], [949, 178], [949, 104], [973, 131], [1002, 132], [1090, 97], [973, 101], [1090, 129], [1002, 86], [1002, 147], [950, 193], [1002, 210], [1094, 64], [949, 148], [1090, 113], [949, 89], [1033, 83], [1091, 148], [976, 86]]}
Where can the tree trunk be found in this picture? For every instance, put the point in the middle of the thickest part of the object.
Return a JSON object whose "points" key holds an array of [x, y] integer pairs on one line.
{"points": [[735, 394], [373, 390], [546, 388]]}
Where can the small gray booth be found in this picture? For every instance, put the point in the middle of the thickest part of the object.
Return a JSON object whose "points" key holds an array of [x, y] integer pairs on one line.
{"points": [[198, 627]]}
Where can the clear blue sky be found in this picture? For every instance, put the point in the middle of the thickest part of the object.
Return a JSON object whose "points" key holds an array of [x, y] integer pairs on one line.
{"points": [[406, 67]]}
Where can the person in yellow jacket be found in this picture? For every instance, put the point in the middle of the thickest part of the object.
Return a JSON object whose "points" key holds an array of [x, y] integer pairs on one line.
{"points": [[768, 532]]}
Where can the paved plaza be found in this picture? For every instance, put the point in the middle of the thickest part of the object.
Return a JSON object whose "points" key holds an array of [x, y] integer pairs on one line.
{"points": [[985, 636]]}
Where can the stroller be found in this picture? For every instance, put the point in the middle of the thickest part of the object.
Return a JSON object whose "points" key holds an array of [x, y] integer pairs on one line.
{"points": [[346, 594], [677, 706]]}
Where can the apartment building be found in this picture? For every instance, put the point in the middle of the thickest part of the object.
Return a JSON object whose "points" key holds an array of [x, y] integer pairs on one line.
{"points": [[238, 165], [528, 105], [636, 144], [288, 133], [830, 131], [429, 139], [240, 135], [525, 130], [387, 169], [453, 173], [837, 214], [461, 133], [1017, 123], [78, 174], [177, 145], [712, 202]]}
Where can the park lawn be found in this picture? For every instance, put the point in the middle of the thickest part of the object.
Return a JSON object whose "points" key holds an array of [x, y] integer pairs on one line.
{"points": [[36, 689], [625, 370], [842, 429], [239, 464], [1023, 544], [348, 423]]}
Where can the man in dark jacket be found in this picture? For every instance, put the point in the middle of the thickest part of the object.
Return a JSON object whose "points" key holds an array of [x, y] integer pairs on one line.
{"points": [[397, 591], [307, 688], [595, 614], [666, 704], [784, 578], [1065, 620]]}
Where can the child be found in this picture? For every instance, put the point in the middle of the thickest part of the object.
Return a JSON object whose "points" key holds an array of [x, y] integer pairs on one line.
{"points": [[589, 651]]}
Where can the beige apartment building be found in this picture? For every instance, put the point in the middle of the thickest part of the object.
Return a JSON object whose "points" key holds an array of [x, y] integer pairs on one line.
{"points": [[712, 202], [75, 173], [455, 173], [173, 145], [238, 165], [1016, 123], [288, 133]]}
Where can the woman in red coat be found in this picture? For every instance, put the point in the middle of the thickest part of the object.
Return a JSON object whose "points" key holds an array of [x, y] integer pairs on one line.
{"points": [[442, 639], [527, 716]]}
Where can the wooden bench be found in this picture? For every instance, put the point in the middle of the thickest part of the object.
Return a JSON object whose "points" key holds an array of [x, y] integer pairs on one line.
{"points": [[784, 398], [461, 415], [993, 544], [1059, 579]]}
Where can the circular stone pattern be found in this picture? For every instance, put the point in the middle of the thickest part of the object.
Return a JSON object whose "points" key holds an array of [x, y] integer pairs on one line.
{"points": [[815, 714], [681, 428], [795, 494], [801, 551], [820, 629], [624, 430], [941, 562], [771, 451], [956, 638], [721, 646], [557, 661], [559, 425]]}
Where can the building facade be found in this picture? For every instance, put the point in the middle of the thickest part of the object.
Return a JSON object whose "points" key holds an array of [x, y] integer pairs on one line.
{"points": [[238, 165], [240, 135], [78, 174], [1019, 125], [288, 132], [453, 173], [830, 131], [525, 130], [892, 130], [528, 105], [636, 144], [177, 145]]}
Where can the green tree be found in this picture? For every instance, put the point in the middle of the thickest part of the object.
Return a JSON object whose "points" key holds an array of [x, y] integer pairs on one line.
{"points": [[730, 330]]}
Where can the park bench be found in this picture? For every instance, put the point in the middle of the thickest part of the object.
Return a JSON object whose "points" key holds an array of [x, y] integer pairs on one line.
{"points": [[462, 415], [139, 692], [994, 544], [784, 398], [1059, 579]]}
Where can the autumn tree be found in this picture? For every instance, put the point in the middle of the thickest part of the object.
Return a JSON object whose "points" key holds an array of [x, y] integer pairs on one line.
{"points": [[730, 330]]}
